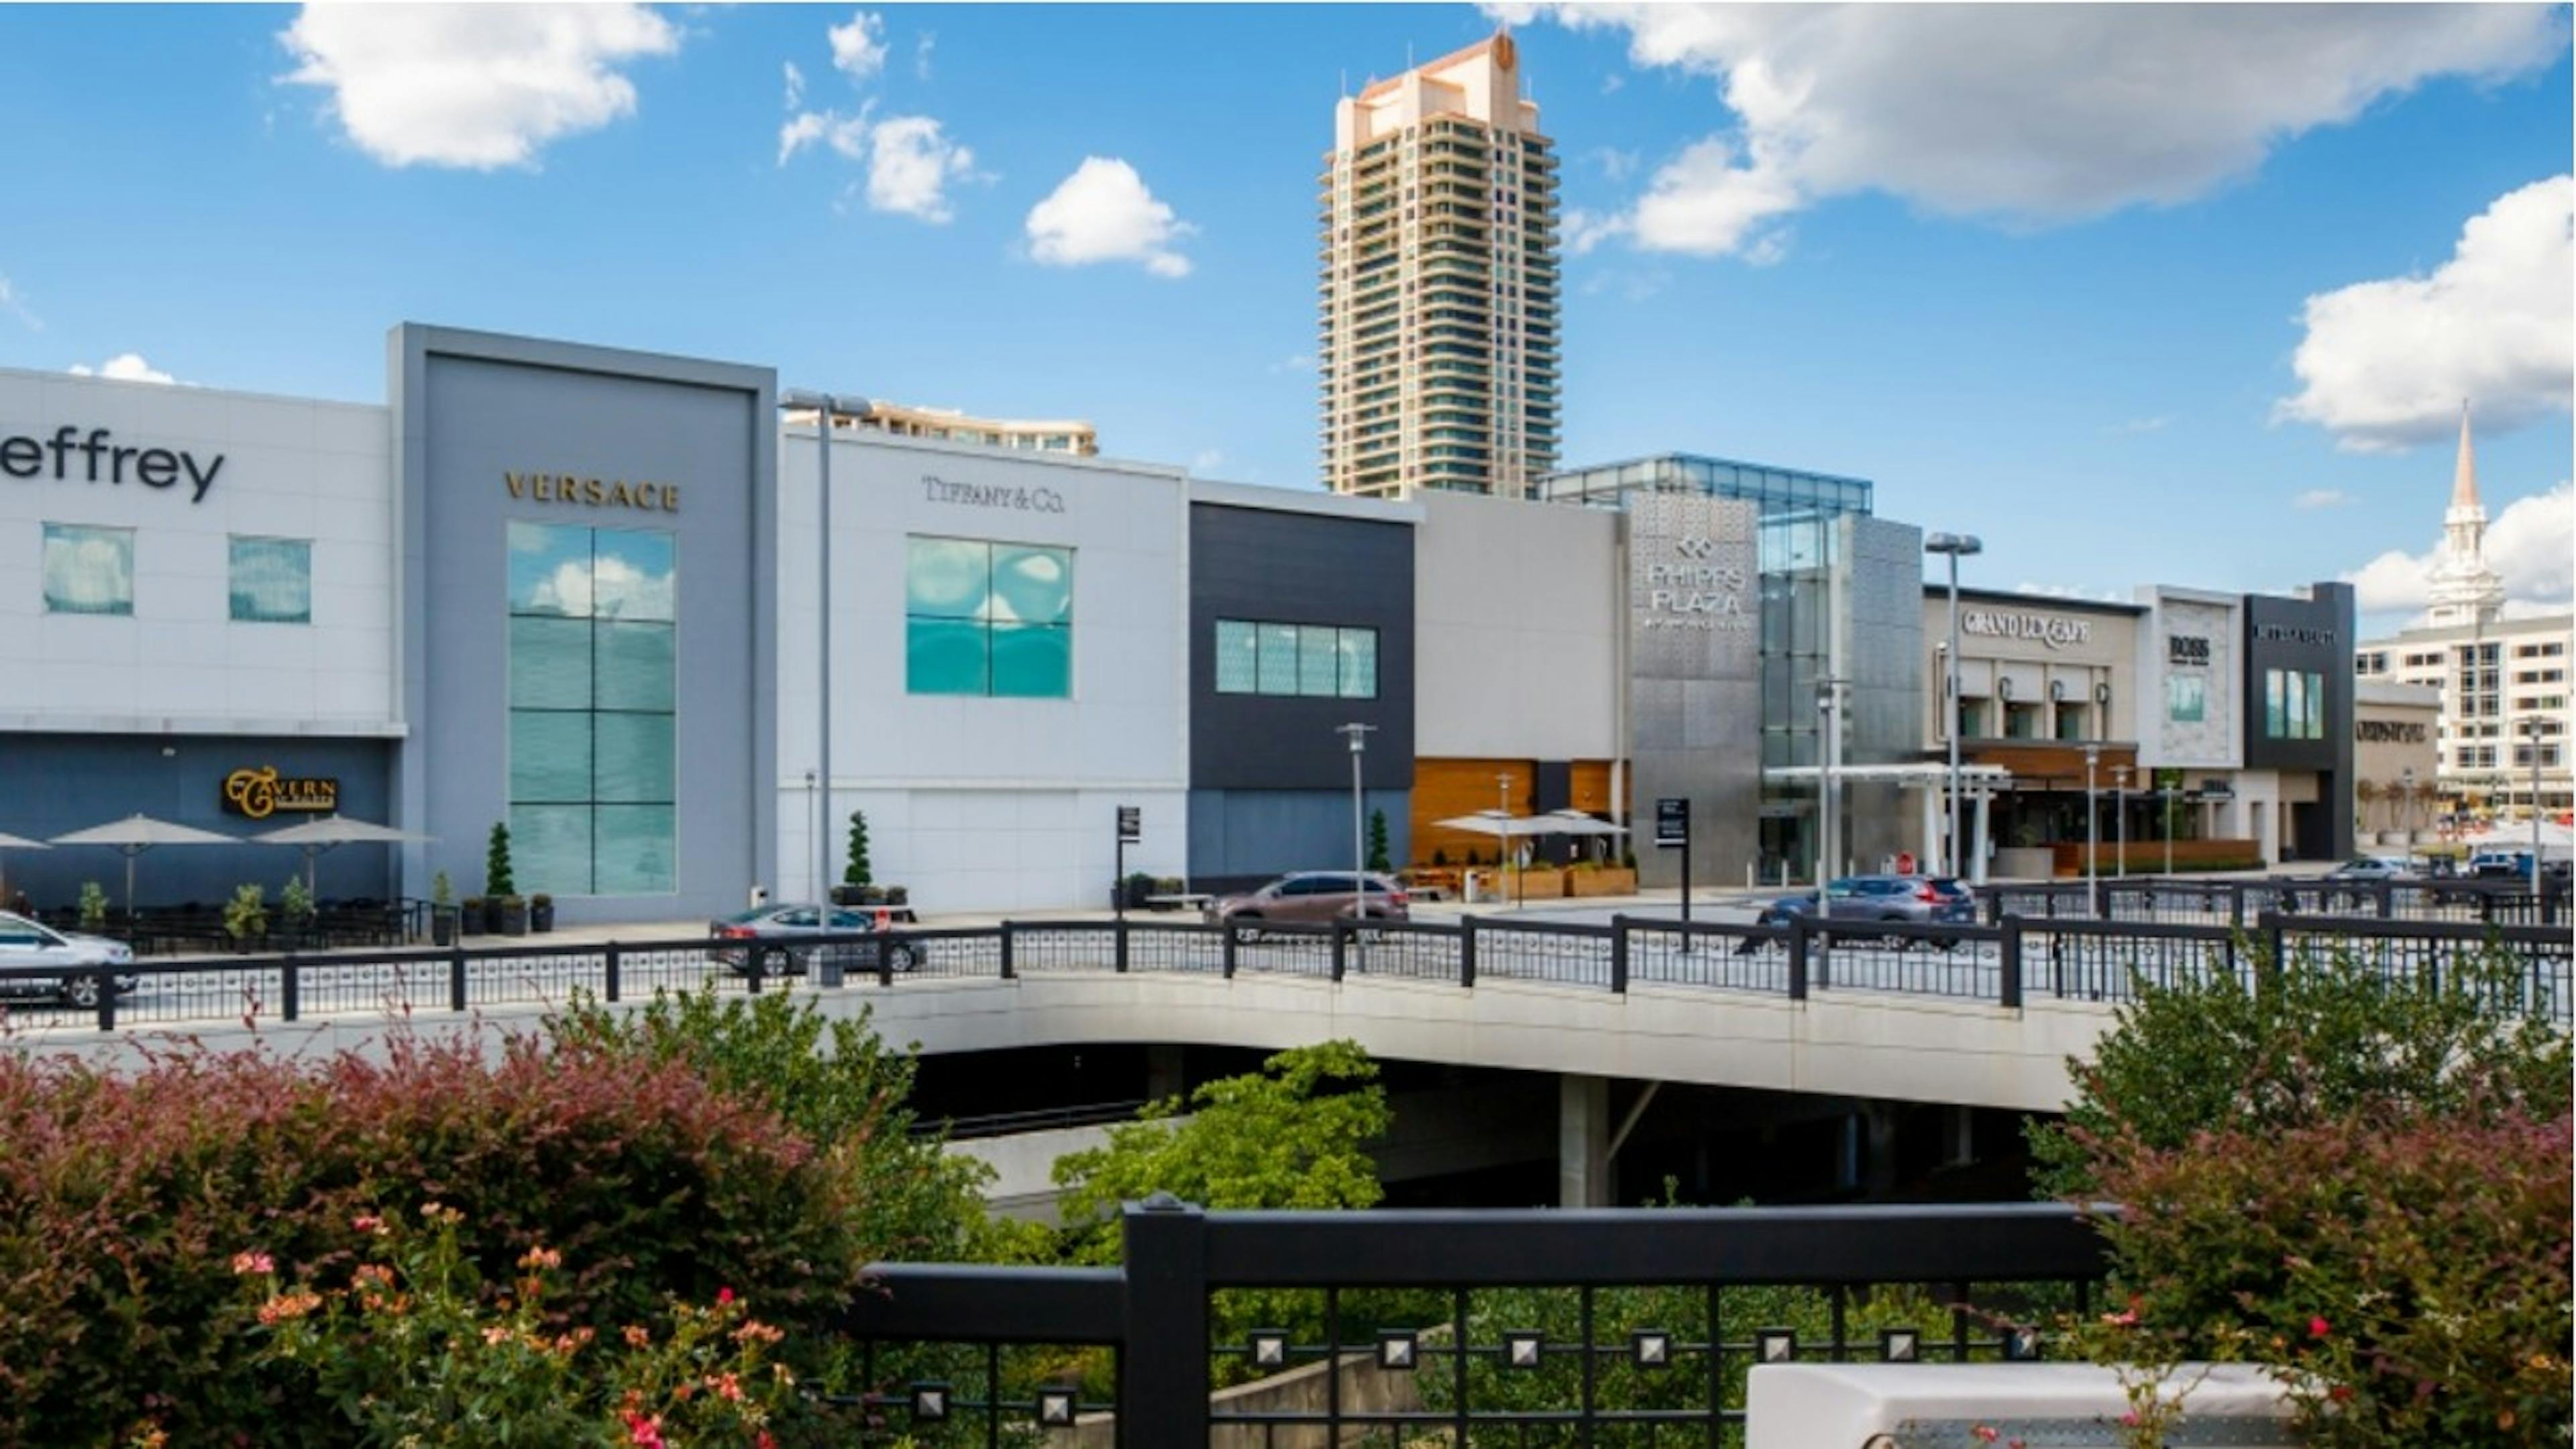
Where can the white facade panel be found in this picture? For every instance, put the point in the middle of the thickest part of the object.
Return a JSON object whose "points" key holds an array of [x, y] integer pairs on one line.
{"points": [[1517, 624], [238, 465]]}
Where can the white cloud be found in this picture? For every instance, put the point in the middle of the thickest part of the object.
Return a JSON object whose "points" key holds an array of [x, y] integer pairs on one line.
{"points": [[475, 86], [2322, 498], [2386, 364], [2071, 591], [921, 54], [1104, 213], [795, 86], [847, 135], [1611, 83], [910, 165], [1295, 362], [124, 367], [1207, 460], [2531, 545], [16, 306], [1615, 164], [609, 587], [859, 48], [2026, 113]]}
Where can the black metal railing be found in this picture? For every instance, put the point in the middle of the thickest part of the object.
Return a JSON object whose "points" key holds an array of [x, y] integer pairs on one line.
{"points": [[2006, 961], [2162, 900], [1542, 1327]]}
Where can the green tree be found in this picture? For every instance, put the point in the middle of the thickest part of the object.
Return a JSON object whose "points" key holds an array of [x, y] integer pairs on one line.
{"points": [[1377, 845], [2328, 1036], [496, 863], [858, 872]]}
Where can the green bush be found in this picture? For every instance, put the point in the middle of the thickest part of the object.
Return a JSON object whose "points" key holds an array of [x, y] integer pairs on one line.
{"points": [[246, 914], [124, 1199], [93, 905], [497, 880], [1377, 842], [858, 872]]}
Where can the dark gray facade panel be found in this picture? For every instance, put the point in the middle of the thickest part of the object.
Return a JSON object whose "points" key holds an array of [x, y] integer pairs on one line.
{"points": [[1240, 837], [471, 407], [2313, 635], [1299, 568], [1695, 682], [58, 783]]}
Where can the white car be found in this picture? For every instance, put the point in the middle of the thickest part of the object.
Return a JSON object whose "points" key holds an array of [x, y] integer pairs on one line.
{"points": [[2374, 867], [39, 961]]}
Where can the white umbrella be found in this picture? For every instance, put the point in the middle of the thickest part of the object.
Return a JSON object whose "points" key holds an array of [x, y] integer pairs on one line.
{"points": [[1575, 822], [136, 834], [317, 836]]}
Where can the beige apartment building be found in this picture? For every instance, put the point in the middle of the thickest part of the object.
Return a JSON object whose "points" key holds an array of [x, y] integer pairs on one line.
{"points": [[1438, 360], [1068, 436]]}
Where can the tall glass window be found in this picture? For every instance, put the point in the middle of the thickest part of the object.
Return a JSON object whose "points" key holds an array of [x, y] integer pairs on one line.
{"points": [[272, 580], [594, 748], [1317, 660], [2186, 698], [988, 619], [88, 570]]}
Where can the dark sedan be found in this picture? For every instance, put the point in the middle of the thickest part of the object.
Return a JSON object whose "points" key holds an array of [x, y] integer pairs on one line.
{"points": [[786, 938]]}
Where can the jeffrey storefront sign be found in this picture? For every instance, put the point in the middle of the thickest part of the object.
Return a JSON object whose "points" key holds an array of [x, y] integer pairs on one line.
{"points": [[260, 791], [75, 456]]}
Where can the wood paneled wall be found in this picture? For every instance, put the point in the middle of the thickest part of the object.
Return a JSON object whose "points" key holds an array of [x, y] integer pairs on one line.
{"points": [[1446, 788]]}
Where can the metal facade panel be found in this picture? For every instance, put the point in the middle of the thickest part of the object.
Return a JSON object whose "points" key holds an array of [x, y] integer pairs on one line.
{"points": [[1694, 674]]}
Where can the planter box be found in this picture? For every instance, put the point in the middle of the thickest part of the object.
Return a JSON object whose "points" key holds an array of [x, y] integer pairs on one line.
{"points": [[1538, 883], [1619, 882]]}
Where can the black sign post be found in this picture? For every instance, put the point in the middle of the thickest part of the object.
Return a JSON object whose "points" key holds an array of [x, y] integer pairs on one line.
{"points": [[1673, 832], [1131, 829]]}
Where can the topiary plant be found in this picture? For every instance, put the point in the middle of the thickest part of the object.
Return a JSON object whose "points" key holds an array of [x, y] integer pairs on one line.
{"points": [[1377, 856], [857, 872], [496, 864], [246, 914], [93, 905]]}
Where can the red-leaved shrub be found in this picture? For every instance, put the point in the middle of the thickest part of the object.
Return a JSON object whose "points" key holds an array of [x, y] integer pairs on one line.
{"points": [[125, 1196]]}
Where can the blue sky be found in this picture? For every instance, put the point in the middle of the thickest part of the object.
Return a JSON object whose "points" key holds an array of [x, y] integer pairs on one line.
{"points": [[2044, 275]]}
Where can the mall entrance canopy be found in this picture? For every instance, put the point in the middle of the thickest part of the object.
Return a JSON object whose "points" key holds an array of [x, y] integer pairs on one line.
{"points": [[1977, 784]]}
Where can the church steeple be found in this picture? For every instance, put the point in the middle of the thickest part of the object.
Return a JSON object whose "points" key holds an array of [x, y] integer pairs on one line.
{"points": [[2464, 589]]}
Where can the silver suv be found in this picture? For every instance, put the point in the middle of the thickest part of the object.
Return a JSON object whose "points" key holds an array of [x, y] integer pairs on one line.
{"points": [[1311, 897], [37, 960]]}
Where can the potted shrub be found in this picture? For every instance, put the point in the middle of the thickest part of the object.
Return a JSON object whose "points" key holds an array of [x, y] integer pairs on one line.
{"points": [[1377, 842], [898, 895], [541, 913], [295, 910], [858, 881], [505, 912], [93, 905], [1140, 889], [442, 911], [246, 915], [473, 918]]}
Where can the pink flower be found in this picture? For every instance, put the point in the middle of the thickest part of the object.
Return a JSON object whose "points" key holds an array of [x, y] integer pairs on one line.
{"points": [[367, 1223], [642, 1432], [2319, 1328], [254, 1263], [1988, 1433], [2125, 1318], [724, 1296]]}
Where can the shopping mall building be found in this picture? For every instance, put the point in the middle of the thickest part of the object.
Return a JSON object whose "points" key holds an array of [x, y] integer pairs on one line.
{"points": [[592, 594]]}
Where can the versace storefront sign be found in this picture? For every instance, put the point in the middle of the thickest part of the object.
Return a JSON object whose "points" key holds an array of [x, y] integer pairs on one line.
{"points": [[2054, 630]]}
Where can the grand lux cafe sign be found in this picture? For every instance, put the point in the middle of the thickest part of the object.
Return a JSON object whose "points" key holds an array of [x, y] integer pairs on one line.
{"points": [[259, 792], [2053, 630], [1695, 592]]}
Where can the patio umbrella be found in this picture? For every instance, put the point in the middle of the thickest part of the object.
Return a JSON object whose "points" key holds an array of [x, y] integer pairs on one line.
{"points": [[14, 842], [136, 834], [1506, 827], [316, 836]]}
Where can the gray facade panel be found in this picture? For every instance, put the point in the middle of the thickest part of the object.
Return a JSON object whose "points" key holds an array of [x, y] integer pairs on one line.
{"points": [[1881, 653], [1239, 836], [1299, 568], [58, 783], [1695, 680], [473, 407], [2313, 635]]}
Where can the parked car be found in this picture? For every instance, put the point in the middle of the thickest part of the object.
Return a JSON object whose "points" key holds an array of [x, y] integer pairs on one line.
{"points": [[1917, 898], [56, 965], [2373, 867], [1783, 910], [785, 937], [2501, 864], [1310, 897]]}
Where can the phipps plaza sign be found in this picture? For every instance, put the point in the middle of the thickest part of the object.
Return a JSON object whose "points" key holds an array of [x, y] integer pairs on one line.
{"points": [[1694, 590]]}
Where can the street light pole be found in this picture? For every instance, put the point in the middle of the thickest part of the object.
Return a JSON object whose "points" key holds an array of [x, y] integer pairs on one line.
{"points": [[2531, 728], [2406, 804], [1828, 739], [2092, 835], [2120, 813], [2168, 790], [825, 406], [1357, 734], [1954, 546], [1503, 833]]}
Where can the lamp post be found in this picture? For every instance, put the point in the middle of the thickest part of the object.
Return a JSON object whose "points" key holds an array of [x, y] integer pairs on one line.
{"points": [[1953, 546], [2120, 814], [2092, 834], [2531, 728], [1357, 734], [1503, 830], [824, 406], [2168, 790], [2406, 802], [1828, 739]]}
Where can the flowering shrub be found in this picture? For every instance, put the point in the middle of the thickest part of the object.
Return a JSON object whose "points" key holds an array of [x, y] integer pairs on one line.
{"points": [[2410, 1273], [409, 1348], [124, 1198]]}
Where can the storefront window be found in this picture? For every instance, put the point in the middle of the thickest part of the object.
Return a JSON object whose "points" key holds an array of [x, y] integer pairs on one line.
{"points": [[2070, 722], [594, 747], [2275, 706], [2186, 698], [272, 580], [2313, 726], [988, 619], [1318, 660], [88, 570], [2021, 721]]}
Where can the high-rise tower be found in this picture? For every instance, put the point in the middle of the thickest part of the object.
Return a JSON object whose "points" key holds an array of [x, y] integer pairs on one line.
{"points": [[1438, 362], [2464, 589]]}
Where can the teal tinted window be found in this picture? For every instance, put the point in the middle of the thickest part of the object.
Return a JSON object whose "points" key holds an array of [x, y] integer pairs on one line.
{"points": [[88, 570], [1234, 657], [988, 619], [2316, 714], [2186, 698], [1319, 659], [594, 748], [1359, 663], [1278, 672], [272, 580]]}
